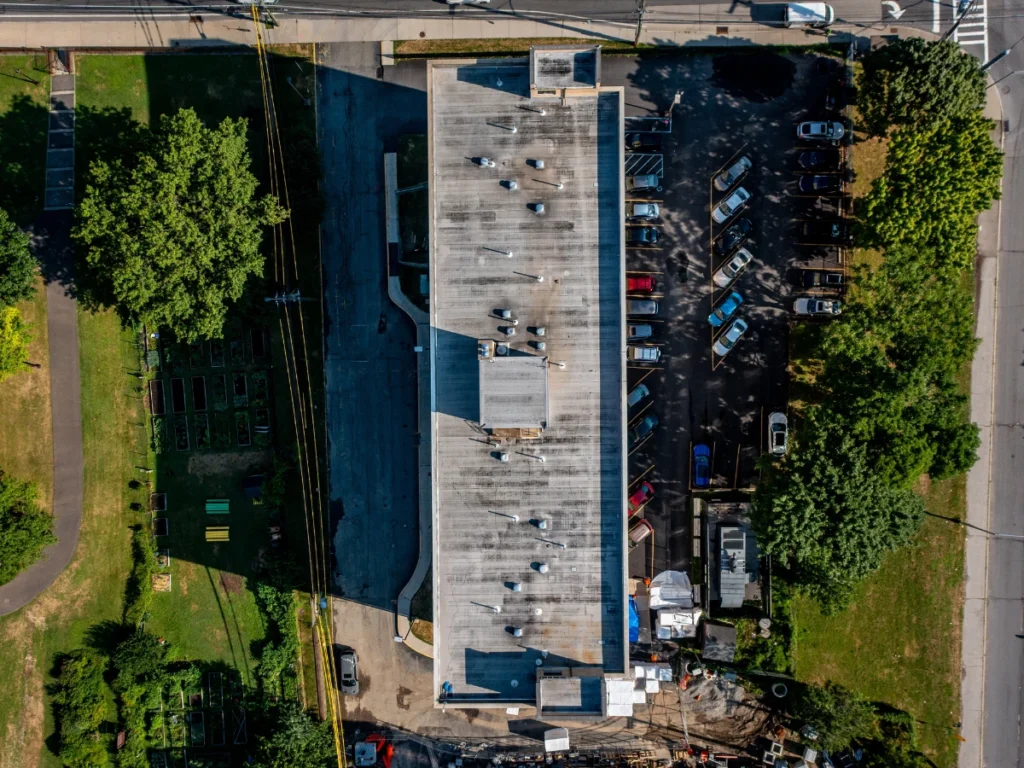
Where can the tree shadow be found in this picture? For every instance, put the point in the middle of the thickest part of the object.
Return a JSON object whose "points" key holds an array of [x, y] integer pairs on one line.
{"points": [[23, 158]]}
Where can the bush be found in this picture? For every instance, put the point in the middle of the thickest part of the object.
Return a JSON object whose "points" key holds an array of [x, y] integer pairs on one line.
{"points": [[25, 528], [138, 594], [17, 264], [79, 709], [14, 340]]}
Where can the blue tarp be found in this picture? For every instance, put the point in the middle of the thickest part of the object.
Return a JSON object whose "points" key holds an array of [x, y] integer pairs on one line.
{"points": [[634, 621]]}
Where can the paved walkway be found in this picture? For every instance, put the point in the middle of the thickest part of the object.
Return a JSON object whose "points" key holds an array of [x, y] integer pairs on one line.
{"points": [[53, 246], [707, 24]]}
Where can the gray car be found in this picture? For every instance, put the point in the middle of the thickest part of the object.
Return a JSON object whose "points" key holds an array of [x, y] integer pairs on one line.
{"points": [[348, 664]]}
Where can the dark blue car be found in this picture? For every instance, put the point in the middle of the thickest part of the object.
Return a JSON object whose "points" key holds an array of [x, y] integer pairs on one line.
{"points": [[701, 466]]}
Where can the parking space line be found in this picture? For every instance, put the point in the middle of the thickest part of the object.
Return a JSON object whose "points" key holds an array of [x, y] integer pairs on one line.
{"points": [[640, 415]]}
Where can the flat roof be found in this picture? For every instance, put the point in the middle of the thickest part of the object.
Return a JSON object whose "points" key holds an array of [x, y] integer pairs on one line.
{"points": [[485, 511], [513, 391]]}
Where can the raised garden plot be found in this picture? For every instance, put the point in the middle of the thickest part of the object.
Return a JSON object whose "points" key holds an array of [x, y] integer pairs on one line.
{"points": [[237, 349], [220, 392], [217, 353], [262, 427], [159, 434], [201, 429], [196, 355], [157, 405], [258, 339], [260, 389], [242, 429], [178, 395], [199, 393], [240, 390], [181, 441], [222, 429]]}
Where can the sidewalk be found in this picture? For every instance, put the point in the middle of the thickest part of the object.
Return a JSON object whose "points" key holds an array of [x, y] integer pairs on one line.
{"points": [[976, 594], [707, 25]]}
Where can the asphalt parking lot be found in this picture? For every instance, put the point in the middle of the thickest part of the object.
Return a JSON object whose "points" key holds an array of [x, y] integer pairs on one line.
{"points": [[730, 104]]}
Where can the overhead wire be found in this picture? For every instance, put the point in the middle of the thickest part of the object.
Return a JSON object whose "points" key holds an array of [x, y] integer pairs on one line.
{"points": [[311, 494]]}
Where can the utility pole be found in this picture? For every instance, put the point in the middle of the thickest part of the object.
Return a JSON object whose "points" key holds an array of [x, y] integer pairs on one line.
{"points": [[641, 9], [967, 5]]}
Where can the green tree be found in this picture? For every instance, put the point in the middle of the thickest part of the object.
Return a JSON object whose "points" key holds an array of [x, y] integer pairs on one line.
{"points": [[17, 264], [25, 528], [839, 715], [79, 710], [14, 339], [174, 233], [911, 81], [138, 659], [295, 740], [827, 514]]}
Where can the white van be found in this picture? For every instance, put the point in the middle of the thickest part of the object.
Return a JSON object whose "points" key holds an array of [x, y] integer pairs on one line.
{"points": [[809, 15]]}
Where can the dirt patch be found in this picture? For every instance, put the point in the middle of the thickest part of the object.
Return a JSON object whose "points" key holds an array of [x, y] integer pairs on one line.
{"points": [[720, 711], [206, 464], [233, 583]]}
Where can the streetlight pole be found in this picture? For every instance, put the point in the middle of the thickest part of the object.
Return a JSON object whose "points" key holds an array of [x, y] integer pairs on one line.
{"points": [[641, 9]]}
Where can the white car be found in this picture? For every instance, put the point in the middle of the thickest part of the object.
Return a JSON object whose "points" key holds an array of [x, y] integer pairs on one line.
{"points": [[643, 211], [733, 173], [728, 207], [728, 340], [725, 275], [778, 433], [827, 130], [644, 354], [808, 306], [639, 393]]}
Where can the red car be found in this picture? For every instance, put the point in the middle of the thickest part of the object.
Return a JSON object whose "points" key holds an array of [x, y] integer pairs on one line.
{"points": [[640, 496], [643, 284]]}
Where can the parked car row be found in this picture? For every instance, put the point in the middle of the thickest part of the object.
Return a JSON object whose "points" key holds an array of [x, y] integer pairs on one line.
{"points": [[728, 245]]}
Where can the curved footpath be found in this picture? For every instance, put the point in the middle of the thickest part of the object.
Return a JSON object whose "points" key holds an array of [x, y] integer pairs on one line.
{"points": [[53, 238]]}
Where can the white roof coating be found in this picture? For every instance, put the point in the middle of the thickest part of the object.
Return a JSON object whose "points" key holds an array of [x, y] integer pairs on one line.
{"points": [[486, 537]]}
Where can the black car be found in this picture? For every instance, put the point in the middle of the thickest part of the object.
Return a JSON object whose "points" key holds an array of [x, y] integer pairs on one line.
{"points": [[643, 142], [834, 98], [823, 160], [821, 278], [642, 236], [821, 185], [733, 236], [826, 233]]}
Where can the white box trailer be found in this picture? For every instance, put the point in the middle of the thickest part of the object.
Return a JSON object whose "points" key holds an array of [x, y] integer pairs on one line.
{"points": [[809, 14]]}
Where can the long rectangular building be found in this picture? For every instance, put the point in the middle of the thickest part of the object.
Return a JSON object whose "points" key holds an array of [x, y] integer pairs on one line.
{"points": [[527, 295]]}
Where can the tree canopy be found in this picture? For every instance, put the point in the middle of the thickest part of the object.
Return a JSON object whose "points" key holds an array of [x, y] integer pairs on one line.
{"points": [[17, 264], [173, 233], [830, 517], [295, 741], [909, 81], [25, 528], [839, 715], [79, 707], [887, 406]]}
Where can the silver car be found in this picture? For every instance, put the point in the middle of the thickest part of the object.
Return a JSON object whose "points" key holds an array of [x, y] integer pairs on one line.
{"points": [[643, 354], [348, 664], [778, 433], [725, 275], [641, 307], [728, 207], [728, 340], [732, 174], [643, 211]]}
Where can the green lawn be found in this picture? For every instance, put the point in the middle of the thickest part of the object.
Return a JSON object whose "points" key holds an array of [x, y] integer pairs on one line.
{"points": [[210, 613], [24, 92], [899, 641], [90, 591]]}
